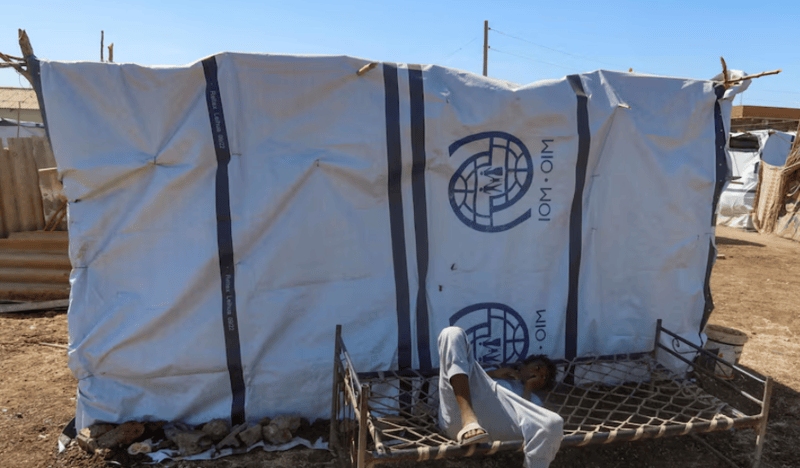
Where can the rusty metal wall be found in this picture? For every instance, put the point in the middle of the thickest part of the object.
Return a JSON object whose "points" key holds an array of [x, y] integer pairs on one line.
{"points": [[21, 207], [35, 266]]}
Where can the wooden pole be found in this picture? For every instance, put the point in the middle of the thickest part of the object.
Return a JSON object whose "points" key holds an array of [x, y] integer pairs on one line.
{"points": [[111, 52], [102, 34], [27, 51], [486, 48]]}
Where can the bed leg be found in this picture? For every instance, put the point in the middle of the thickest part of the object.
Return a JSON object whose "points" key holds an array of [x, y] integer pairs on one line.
{"points": [[363, 408], [762, 425], [333, 437]]}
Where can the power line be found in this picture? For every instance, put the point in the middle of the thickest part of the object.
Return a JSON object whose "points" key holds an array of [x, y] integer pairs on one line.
{"points": [[554, 50], [459, 49], [531, 58], [776, 91]]}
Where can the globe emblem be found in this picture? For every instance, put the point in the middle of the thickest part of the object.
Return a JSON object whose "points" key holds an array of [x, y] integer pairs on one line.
{"points": [[496, 174], [496, 332]]}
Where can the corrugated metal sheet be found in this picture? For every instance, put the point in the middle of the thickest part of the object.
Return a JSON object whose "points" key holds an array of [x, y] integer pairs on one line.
{"points": [[21, 205], [35, 266]]}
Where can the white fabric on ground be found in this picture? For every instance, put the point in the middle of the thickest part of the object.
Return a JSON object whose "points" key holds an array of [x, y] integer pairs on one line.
{"points": [[502, 413]]}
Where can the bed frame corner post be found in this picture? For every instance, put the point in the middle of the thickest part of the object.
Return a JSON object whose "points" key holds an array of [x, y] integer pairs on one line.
{"points": [[762, 425], [657, 338], [334, 433], [363, 408]]}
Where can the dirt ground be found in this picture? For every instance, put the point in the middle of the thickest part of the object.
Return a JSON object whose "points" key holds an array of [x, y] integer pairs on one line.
{"points": [[756, 289]]}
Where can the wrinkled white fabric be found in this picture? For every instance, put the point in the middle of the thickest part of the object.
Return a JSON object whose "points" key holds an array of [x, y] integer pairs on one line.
{"points": [[395, 203], [502, 413]]}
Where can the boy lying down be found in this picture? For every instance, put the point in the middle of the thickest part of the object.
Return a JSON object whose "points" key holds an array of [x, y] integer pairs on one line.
{"points": [[475, 408]]}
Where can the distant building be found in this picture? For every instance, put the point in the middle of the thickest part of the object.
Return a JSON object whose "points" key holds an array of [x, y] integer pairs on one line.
{"points": [[747, 118], [19, 104]]}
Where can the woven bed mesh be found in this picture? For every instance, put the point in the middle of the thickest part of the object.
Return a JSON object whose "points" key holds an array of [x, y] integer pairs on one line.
{"points": [[600, 398], [610, 396]]}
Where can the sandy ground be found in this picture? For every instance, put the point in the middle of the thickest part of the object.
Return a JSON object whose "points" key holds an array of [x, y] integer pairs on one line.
{"points": [[756, 289]]}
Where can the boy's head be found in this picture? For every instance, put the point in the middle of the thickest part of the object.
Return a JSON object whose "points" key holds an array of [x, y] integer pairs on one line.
{"points": [[540, 368]]}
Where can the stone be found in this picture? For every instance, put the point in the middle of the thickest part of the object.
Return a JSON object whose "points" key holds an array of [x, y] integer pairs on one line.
{"points": [[96, 430], [146, 446], [188, 440], [265, 421], [165, 444], [104, 453], [275, 435], [230, 440], [292, 423], [124, 434], [174, 428], [192, 442], [87, 437], [216, 429], [154, 426], [251, 435]]}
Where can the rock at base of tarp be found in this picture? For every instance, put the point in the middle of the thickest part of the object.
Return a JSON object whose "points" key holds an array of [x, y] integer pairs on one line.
{"points": [[213, 454], [178, 441]]}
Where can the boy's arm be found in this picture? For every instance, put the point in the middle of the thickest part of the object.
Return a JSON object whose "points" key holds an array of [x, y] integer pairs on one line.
{"points": [[526, 392], [503, 373]]}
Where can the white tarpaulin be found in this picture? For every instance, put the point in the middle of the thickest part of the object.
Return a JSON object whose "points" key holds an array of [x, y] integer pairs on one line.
{"points": [[226, 215]]}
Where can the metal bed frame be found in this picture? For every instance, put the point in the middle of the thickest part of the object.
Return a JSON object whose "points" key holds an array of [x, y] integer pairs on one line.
{"points": [[391, 416]]}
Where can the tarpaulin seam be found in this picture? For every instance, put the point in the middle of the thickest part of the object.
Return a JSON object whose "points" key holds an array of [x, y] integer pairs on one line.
{"points": [[34, 70], [721, 159], [721, 174], [419, 197], [396, 222], [576, 218], [225, 241]]}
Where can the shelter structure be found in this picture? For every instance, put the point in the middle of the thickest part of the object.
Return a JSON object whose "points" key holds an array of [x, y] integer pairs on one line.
{"points": [[777, 200], [747, 152], [242, 206]]}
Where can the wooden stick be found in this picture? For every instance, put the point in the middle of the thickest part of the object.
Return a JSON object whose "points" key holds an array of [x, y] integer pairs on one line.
{"points": [[33, 306], [757, 75], [60, 217], [51, 225], [724, 72], [102, 33], [361, 71], [111, 52], [27, 51], [25, 44], [55, 345], [10, 58]]}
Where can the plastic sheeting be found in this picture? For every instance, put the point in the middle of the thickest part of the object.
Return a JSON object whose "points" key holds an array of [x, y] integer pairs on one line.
{"points": [[736, 201], [14, 129], [226, 215]]}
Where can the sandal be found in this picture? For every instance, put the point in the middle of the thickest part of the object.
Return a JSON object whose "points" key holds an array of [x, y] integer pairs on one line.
{"points": [[475, 439]]}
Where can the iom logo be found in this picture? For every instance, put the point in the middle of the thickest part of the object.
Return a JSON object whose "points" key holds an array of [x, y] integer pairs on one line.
{"points": [[496, 332], [496, 174]]}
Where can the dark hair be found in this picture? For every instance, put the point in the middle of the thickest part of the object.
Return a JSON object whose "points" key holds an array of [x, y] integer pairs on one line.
{"points": [[550, 381]]}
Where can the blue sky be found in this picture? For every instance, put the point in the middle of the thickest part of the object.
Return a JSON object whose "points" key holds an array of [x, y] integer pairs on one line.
{"points": [[529, 40]]}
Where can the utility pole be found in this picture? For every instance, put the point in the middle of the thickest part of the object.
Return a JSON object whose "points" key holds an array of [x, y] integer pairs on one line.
{"points": [[485, 48]]}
